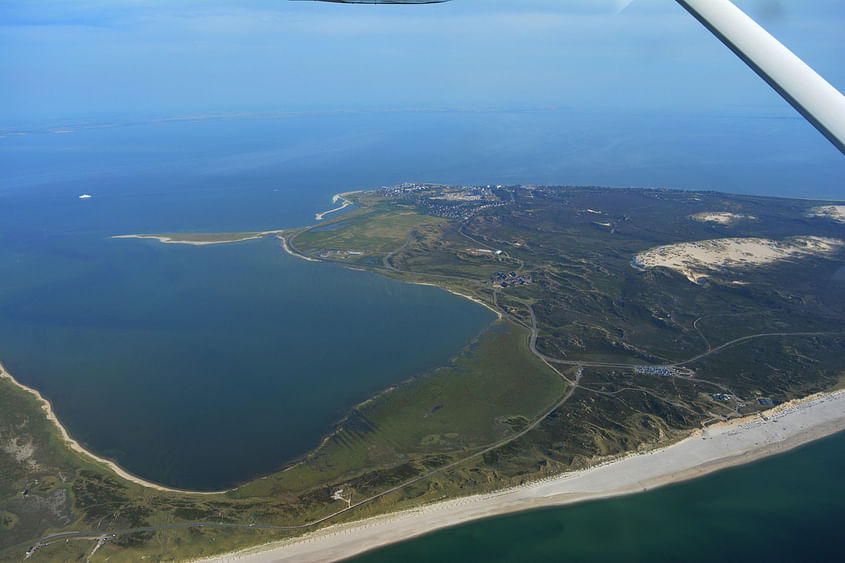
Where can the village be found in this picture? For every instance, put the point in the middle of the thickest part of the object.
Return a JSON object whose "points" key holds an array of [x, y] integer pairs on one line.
{"points": [[449, 202], [504, 280]]}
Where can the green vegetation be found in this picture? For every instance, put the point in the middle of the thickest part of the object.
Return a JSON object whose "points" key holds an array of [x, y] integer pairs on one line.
{"points": [[552, 386], [365, 236]]}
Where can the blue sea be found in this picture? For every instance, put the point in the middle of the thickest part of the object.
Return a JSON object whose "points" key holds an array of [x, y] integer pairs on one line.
{"points": [[203, 367]]}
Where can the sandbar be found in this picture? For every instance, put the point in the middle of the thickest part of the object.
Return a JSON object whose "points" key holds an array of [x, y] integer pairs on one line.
{"points": [[704, 451], [337, 197], [174, 239]]}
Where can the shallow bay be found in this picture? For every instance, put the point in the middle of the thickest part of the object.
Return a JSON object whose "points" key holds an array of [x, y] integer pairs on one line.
{"points": [[201, 367]]}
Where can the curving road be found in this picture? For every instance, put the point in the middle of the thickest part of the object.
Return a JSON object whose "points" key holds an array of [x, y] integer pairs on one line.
{"points": [[572, 385]]}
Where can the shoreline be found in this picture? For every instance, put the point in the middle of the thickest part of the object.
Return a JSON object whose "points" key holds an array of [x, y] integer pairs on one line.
{"points": [[704, 451], [288, 249], [459, 294], [47, 407], [337, 197], [386, 529], [172, 240]]}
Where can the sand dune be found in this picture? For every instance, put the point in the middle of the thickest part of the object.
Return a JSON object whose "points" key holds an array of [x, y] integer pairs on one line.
{"points": [[696, 260], [720, 217], [835, 212]]}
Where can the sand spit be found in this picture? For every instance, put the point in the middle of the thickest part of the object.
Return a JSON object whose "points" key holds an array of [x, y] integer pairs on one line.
{"points": [[696, 259], [174, 239], [705, 451], [287, 249], [722, 218], [835, 212], [337, 197], [77, 447]]}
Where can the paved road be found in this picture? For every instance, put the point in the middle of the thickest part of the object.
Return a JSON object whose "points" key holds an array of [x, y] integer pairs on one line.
{"points": [[736, 341], [572, 386], [99, 535]]}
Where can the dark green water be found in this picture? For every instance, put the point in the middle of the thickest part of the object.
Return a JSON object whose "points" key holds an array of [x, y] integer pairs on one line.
{"points": [[785, 508]]}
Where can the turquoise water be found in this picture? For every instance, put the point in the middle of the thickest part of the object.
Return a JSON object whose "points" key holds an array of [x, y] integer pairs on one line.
{"points": [[785, 508]]}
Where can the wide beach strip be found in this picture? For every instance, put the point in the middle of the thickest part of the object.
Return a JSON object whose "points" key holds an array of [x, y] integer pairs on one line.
{"points": [[720, 446]]}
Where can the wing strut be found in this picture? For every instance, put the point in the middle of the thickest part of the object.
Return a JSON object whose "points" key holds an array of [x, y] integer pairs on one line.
{"points": [[814, 98], [819, 102]]}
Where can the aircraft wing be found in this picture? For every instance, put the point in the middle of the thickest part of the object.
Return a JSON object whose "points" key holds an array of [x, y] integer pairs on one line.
{"points": [[379, 1], [814, 98]]}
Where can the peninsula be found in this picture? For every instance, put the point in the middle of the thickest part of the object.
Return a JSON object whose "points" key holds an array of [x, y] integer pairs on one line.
{"points": [[594, 368]]}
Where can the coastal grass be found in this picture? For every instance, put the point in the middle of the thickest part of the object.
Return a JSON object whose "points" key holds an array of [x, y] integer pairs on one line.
{"points": [[376, 231], [590, 307], [479, 398], [484, 395], [474, 401]]}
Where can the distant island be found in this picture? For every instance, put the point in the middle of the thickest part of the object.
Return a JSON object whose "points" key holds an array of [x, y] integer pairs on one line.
{"points": [[644, 337]]}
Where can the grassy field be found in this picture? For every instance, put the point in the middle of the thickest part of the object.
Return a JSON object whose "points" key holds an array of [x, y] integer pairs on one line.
{"points": [[485, 395], [371, 233], [595, 317]]}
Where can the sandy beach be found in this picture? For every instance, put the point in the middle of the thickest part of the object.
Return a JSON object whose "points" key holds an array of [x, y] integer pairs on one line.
{"points": [[77, 447], [465, 296], [705, 451], [287, 249], [337, 197], [175, 240], [172, 240]]}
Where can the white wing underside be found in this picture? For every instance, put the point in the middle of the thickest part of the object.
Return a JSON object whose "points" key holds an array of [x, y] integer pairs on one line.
{"points": [[819, 102], [800, 85]]}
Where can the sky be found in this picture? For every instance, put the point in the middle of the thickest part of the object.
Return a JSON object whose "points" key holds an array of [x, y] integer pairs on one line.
{"points": [[102, 59]]}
